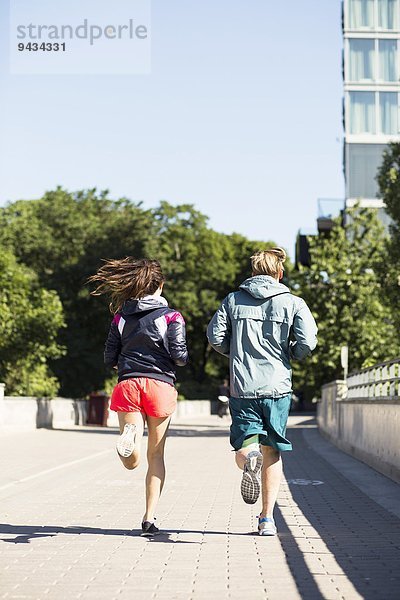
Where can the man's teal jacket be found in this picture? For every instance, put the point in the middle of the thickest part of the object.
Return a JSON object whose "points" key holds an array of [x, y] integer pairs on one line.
{"points": [[261, 327]]}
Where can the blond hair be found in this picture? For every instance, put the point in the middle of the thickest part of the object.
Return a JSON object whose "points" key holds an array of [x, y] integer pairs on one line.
{"points": [[268, 262]]}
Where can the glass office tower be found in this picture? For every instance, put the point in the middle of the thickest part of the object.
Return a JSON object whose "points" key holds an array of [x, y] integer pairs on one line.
{"points": [[371, 32]]}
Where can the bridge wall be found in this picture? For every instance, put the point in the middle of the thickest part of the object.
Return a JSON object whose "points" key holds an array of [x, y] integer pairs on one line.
{"points": [[368, 428]]}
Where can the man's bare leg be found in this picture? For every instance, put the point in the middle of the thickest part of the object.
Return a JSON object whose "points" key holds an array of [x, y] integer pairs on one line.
{"points": [[250, 444], [241, 455], [249, 460], [271, 476]]}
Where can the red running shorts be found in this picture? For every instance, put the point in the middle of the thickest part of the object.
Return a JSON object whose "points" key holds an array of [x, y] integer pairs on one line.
{"points": [[142, 394]]}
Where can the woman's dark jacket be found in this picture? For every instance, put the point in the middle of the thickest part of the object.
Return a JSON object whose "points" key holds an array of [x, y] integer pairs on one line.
{"points": [[147, 339]]}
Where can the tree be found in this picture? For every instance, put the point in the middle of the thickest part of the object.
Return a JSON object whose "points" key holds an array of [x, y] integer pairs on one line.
{"points": [[389, 184], [203, 266], [63, 237], [344, 287], [30, 319]]}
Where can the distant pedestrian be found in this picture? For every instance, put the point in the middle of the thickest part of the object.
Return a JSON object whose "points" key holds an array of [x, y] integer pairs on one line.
{"points": [[145, 343], [223, 398], [261, 327]]}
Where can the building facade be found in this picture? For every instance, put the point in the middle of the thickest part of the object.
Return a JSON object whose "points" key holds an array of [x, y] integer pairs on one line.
{"points": [[371, 71]]}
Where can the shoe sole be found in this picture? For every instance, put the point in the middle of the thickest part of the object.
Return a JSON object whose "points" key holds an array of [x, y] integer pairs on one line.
{"points": [[149, 534], [250, 487], [126, 443], [265, 533]]}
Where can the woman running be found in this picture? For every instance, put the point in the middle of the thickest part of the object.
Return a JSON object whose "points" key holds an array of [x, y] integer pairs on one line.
{"points": [[145, 343]]}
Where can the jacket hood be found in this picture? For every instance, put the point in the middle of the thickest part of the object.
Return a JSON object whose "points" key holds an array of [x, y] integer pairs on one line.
{"points": [[263, 286], [132, 307]]}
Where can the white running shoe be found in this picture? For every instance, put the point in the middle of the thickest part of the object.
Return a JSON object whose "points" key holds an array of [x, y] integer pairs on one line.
{"points": [[126, 441], [251, 484], [266, 526]]}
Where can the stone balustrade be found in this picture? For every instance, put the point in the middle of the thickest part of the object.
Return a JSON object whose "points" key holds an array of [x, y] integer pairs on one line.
{"points": [[362, 416], [379, 381]]}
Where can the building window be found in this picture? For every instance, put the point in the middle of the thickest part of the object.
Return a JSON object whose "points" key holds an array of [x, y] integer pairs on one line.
{"points": [[388, 110], [367, 14], [361, 60], [388, 60], [362, 112], [361, 164], [361, 14], [388, 14], [372, 113]]}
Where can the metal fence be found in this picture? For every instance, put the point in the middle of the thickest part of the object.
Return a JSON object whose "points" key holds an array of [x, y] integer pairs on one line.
{"points": [[380, 381]]}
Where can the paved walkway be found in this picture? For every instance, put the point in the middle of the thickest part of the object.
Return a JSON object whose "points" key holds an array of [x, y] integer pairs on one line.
{"points": [[68, 509]]}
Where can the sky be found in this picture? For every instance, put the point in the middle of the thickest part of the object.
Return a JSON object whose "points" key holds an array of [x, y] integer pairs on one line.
{"points": [[239, 115]]}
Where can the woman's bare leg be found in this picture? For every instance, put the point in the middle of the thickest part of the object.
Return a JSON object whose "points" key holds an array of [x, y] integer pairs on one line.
{"points": [[132, 461], [157, 433]]}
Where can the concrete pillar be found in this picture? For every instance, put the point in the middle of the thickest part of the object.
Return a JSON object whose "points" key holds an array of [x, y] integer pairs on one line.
{"points": [[2, 406]]}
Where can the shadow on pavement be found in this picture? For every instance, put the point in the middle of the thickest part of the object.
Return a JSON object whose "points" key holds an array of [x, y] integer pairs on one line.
{"points": [[186, 430], [362, 536], [295, 559], [88, 429], [219, 428], [25, 533], [165, 535], [204, 432], [302, 420]]}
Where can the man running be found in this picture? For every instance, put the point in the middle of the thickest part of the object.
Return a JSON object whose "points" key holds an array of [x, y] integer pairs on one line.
{"points": [[261, 327]]}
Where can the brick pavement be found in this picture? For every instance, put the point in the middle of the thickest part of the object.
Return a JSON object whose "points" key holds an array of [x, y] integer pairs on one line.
{"points": [[70, 516]]}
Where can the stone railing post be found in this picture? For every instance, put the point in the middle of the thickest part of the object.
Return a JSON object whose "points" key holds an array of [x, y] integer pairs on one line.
{"points": [[341, 390], [2, 406]]}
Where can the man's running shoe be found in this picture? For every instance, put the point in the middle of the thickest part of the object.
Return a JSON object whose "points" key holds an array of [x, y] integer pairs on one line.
{"points": [[149, 529], [251, 479], [126, 441], [266, 526]]}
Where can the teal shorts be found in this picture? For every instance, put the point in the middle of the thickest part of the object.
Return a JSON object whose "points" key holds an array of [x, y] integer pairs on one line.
{"points": [[265, 417]]}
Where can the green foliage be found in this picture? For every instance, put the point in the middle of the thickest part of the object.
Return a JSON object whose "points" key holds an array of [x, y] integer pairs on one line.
{"points": [[203, 266], [63, 236], [54, 243], [27, 377], [389, 183], [30, 319], [344, 287]]}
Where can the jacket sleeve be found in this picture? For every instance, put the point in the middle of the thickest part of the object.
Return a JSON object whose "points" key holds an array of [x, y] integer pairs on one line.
{"points": [[113, 346], [304, 331], [176, 335], [219, 329]]}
